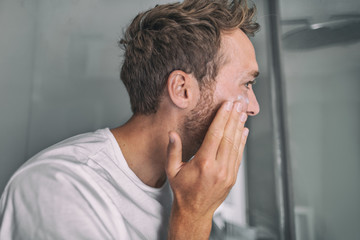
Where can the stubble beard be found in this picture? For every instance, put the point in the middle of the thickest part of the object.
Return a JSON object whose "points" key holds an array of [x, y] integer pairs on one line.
{"points": [[197, 122]]}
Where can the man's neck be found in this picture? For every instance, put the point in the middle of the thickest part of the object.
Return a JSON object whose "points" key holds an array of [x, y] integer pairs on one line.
{"points": [[143, 141]]}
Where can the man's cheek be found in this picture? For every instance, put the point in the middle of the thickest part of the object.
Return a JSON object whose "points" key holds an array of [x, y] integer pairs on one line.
{"points": [[243, 98]]}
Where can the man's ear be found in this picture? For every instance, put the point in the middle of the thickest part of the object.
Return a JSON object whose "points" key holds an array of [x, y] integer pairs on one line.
{"points": [[183, 89]]}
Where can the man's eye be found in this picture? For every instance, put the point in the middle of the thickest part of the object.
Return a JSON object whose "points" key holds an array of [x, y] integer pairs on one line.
{"points": [[250, 83]]}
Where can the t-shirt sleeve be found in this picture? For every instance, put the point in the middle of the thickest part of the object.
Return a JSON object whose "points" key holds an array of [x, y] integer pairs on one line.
{"points": [[52, 202]]}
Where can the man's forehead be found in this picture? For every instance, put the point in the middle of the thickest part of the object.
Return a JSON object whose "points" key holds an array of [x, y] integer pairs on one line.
{"points": [[236, 44], [235, 37]]}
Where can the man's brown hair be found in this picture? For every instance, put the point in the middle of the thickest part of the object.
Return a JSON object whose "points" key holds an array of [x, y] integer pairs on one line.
{"points": [[178, 36]]}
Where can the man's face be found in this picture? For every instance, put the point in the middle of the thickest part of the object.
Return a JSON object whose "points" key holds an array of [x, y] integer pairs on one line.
{"points": [[232, 83], [240, 69]]}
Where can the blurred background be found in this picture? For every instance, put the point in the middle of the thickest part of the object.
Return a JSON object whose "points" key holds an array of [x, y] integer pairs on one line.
{"points": [[59, 76]]}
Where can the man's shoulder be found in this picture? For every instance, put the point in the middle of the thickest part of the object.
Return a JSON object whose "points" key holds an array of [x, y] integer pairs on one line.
{"points": [[64, 162], [55, 194], [78, 147], [71, 152]]}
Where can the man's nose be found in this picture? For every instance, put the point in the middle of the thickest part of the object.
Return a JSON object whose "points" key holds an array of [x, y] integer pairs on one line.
{"points": [[253, 107]]}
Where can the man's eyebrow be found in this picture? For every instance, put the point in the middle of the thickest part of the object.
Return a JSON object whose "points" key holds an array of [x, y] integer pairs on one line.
{"points": [[255, 74]]}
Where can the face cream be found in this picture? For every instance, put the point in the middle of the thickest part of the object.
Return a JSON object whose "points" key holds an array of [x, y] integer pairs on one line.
{"points": [[244, 100]]}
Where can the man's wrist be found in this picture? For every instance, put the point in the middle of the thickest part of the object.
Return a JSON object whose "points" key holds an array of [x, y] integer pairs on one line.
{"points": [[186, 225]]}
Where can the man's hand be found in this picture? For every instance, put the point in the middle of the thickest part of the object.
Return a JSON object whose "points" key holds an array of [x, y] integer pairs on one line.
{"points": [[203, 183]]}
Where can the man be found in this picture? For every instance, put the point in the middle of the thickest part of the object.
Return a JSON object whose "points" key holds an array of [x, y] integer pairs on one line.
{"points": [[188, 68]]}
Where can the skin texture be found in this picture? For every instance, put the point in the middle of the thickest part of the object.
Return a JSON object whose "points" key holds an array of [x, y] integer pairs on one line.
{"points": [[208, 124]]}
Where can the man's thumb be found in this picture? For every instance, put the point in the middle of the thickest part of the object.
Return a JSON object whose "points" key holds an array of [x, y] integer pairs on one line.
{"points": [[174, 155]]}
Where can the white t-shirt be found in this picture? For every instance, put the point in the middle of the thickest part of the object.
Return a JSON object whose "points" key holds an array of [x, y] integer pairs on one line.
{"points": [[82, 188]]}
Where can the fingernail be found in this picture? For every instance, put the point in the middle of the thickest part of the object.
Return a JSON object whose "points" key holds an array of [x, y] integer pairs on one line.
{"points": [[228, 106], [246, 132], [240, 97], [247, 100], [238, 106], [171, 139], [243, 117]]}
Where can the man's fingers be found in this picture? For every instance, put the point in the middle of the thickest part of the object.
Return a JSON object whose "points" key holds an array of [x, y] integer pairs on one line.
{"points": [[238, 141], [174, 155], [245, 134], [228, 149], [215, 133]]}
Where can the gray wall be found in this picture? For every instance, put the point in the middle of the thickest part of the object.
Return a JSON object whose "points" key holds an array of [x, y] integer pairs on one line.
{"points": [[59, 72], [323, 115]]}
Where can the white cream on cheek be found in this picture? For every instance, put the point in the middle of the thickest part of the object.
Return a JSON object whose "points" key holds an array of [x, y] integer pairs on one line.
{"points": [[245, 102], [246, 99]]}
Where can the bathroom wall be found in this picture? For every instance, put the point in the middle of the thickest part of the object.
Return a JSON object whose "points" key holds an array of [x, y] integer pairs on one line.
{"points": [[323, 113], [17, 42], [59, 72]]}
